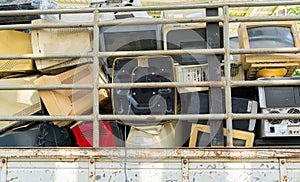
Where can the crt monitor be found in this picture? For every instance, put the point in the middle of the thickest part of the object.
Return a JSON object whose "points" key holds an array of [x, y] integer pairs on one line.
{"points": [[279, 96], [269, 35], [129, 38], [189, 37]]}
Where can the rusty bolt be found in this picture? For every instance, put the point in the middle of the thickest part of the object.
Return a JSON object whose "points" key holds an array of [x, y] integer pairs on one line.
{"points": [[282, 162], [284, 178], [3, 161], [92, 161], [185, 161]]}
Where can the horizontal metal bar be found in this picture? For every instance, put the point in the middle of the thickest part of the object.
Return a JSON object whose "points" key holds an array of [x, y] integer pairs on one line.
{"points": [[152, 85], [148, 22], [147, 8], [115, 54], [265, 50], [46, 118], [265, 83], [161, 52], [163, 85], [45, 86], [162, 117], [159, 21], [264, 18], [176, 154], [114, 117], [45, 25], [45, 56], [265, 116], [111, 23], [150, 118], [153, 52]]}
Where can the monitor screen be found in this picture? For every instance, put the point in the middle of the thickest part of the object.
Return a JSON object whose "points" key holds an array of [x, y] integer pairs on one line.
{"points": [[130, 41], [189, 38], [270, 37], [280, 96], [204, 140], [129, 38]]}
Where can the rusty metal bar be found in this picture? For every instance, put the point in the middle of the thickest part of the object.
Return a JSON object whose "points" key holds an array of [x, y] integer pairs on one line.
{"points": [[147, 8], [113, 117], [227, 154], [111, 23], [265, 50], [265, 83], [156, 52], [150, 117], [264, 18], [266, 116], [228, 108], [152, 85], [149, 22], [46, 118], [96, 68]]}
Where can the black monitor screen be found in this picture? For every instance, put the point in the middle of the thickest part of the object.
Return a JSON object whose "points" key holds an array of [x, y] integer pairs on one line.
{"points": [[203, 140], [189, 38], [130, 41], [270, 37], [282, 96]]}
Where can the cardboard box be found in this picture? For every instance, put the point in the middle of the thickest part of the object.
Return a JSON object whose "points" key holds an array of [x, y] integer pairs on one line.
{"points": [[166, 135], [15, 42], [60, 41], [74, 101], [18, 102]]}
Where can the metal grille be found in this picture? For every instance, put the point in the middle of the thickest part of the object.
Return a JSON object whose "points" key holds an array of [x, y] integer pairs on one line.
{"points": [[226, 51]]}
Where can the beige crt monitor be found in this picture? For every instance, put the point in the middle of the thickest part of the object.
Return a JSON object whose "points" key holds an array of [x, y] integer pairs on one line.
{"points": [[15, 42], [60, 41], [269, 35], [18, 102], [73, 101]]}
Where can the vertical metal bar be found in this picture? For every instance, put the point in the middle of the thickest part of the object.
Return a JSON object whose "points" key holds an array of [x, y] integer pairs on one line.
{"points": [[185, 170], [4, 170], [214, 74], [283, 170], [92, 170], [228, 104], [96, 81]]}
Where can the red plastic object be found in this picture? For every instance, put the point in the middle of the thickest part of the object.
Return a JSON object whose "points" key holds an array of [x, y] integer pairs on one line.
{"points": [[84, 134]]}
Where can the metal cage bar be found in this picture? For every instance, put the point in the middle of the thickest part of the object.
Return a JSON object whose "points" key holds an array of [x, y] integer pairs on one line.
{"points": [[225, 19]]}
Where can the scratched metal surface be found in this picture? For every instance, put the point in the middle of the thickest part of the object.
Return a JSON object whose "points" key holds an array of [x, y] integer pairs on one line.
{"points": [[148, 165]]}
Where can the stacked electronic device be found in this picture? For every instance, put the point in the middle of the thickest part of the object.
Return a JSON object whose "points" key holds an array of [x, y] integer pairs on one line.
{"points": [[187, 68]]}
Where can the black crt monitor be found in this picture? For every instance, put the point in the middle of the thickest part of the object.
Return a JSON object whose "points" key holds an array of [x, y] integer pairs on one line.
{"points": [[279, 96], [190, 38], [129, 38]]}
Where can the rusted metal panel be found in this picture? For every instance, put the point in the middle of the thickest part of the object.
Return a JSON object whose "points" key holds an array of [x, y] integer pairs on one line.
{"points": [[33, 170], [150, 154], [239, 170], [145, 170]]}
